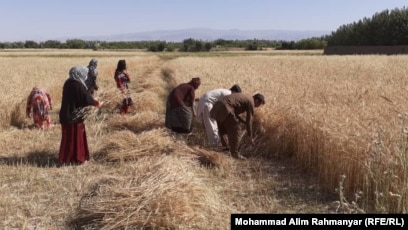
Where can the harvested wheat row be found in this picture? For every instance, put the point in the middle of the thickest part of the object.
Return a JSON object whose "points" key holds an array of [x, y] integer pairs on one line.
{"points": [[163, 192]]}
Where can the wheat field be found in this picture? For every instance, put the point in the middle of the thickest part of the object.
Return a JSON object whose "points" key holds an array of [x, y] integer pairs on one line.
{"points": [[338, 120]]}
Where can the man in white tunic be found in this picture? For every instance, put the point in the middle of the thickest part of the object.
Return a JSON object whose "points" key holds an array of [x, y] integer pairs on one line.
{"points": [[205, 105]]}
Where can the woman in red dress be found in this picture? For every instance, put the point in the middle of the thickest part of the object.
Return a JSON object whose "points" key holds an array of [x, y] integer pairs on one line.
{"points": [[75, 97]]}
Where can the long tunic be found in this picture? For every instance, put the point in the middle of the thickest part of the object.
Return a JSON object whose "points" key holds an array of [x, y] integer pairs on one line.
{"points": [[92, 76], [39, 102], [205, 104], [226, 112], [74, 145], [179, 108], [74, 98], [235, 104], [182, 95]]}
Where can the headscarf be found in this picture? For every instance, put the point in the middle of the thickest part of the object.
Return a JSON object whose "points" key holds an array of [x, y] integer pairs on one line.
{"points": [[80, 74], [36, 88], [195, 82], [93, 63], [92, 71]]}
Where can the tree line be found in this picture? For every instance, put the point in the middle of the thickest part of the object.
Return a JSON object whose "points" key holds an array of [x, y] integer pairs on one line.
{"points": [[386, 28], [187, 45], [389, 27]]}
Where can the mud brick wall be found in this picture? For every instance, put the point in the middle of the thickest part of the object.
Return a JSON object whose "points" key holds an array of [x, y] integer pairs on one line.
{"points": [[350, 50]]}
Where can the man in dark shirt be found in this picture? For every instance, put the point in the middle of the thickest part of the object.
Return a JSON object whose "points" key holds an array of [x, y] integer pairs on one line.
{"points": [[226, 112]]}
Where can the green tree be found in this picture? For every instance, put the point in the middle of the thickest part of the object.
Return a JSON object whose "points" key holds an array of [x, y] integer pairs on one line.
{"points": [[207, 46], [383, 28], [75, 44], [52, 44], [310, 44], [31, 44], [161, 46], [188, 45], [252, 46], [17, 45]]}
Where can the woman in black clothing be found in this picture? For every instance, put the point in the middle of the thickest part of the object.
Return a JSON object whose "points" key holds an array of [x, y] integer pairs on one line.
{"points": [[75, 97]]}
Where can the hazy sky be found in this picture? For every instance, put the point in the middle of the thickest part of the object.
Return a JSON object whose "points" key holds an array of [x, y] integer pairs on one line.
{"points": [[42, 20]]}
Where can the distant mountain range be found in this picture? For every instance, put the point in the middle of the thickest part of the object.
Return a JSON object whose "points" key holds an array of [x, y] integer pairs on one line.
{"points": [[210, 35]]}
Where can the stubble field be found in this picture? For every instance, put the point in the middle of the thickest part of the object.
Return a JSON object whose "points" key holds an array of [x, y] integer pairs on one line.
{"points": [[331, 138]]}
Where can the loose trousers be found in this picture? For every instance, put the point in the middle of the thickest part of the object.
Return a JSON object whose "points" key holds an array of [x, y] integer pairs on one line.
{"points": [[232, 128], [210, 125]]}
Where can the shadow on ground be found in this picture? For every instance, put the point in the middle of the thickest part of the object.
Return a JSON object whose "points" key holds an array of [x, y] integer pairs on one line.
{"points": [[40, 159]]}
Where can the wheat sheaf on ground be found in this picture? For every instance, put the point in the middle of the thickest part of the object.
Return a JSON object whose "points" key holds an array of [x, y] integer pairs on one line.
{"points": [[157, 192], [326, 116]]}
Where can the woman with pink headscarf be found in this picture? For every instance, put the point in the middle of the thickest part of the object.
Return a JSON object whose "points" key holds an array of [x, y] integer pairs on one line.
{"points": [[38, 107]]}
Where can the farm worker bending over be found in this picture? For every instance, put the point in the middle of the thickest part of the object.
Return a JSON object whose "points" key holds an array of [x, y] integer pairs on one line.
{"points": [[226, 112], [122, 78], [39, 102], [205, 104], [75, 97], [180, 106], [92, 75]]}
